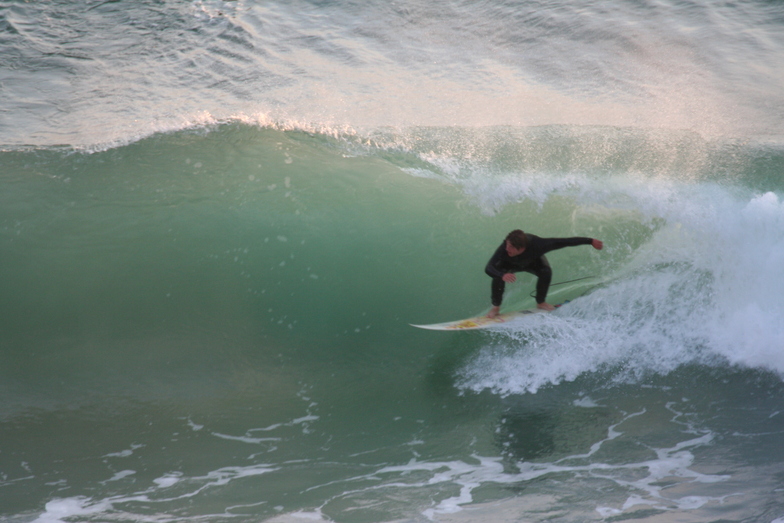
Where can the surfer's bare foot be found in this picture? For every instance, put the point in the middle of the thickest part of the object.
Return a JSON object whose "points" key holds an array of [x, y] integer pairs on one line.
{"points": [[493, 312], [545, 306]]}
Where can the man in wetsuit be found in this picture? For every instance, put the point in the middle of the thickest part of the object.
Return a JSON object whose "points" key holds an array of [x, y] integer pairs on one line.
{"points": [[525, 252]]}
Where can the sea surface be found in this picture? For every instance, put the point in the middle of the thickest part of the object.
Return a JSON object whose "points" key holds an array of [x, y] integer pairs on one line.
{"points": [[218, 220]]}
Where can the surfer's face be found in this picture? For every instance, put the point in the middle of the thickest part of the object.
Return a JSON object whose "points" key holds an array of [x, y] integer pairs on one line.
{"points": [[511, 250]]}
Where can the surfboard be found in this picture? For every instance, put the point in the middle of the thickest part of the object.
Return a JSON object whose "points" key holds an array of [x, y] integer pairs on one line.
{"points": [[480, 322]]}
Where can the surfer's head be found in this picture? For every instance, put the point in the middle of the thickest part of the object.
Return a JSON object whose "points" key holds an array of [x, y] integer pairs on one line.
{"points": [[516, 242], [517, 238]]}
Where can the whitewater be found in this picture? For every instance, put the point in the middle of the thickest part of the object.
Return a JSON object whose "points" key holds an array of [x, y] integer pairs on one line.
{"points": [[219, 218]]}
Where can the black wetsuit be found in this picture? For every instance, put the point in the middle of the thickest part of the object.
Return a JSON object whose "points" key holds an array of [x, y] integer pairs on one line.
{"points": [[530, 260]]}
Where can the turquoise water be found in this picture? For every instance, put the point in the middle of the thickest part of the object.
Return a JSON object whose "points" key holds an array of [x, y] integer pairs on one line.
{"points": [[218, 219]]}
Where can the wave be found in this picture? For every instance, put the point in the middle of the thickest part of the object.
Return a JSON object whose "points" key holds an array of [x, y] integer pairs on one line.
{"points": [[313, 230]]}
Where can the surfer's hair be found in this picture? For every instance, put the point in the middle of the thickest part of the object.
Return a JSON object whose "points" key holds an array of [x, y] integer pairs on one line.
{"points": [[517, 238]]}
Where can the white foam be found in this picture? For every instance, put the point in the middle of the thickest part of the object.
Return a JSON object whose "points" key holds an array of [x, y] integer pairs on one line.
{"points": [[646, 486], [747, 328], [167, 480], [309, 515], [646, 482], [225, 475], [63, 510], [705, 288], [124, 453], [121, 475], [245, 439], [304, 420], [585, 402]]}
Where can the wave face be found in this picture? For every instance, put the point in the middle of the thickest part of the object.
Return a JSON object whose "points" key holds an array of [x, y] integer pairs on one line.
{"points": [[218, 219]]}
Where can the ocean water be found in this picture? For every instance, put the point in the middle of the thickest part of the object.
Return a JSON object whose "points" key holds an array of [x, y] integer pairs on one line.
{"points": [[219, 218]]}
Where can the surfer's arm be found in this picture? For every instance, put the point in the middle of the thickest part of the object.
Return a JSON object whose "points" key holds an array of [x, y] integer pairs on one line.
{"points": [[551, 244], [491, 269]]}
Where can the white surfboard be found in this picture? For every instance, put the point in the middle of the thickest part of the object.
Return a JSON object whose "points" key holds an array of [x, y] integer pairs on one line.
{"points": [[480, 322]]}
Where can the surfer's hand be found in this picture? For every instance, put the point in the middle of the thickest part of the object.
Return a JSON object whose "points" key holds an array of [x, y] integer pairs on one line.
{"points": [[509, 277], [597, 244]]}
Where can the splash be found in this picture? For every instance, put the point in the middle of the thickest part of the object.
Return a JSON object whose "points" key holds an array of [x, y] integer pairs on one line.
{"points": [[704, 289]]}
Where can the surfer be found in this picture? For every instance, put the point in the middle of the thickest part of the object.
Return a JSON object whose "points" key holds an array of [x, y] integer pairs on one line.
{"points": [[525, 252]]}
